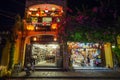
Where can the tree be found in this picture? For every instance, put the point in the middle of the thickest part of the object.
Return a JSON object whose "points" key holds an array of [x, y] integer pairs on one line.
{"points": [[96, 24]]}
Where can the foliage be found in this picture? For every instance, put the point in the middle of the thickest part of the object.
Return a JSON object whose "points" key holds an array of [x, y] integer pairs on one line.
{"points": [[116, 51], [97, 24]]}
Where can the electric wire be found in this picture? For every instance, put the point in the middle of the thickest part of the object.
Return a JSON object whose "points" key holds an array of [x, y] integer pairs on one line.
{"points": [[7, 16], [22, 4], [7, 12]]}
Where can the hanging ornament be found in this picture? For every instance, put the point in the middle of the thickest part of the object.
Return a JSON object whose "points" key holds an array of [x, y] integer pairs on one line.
{"points": [[44, 23], [46, 10]]}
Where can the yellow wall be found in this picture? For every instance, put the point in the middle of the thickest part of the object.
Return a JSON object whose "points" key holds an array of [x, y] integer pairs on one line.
{"points": [[108, 55], [16, 54], [118, 41], [5, 54], [27, 41]]}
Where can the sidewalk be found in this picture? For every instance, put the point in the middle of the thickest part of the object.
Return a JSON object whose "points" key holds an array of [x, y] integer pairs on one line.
{"points": [[71, 74]]}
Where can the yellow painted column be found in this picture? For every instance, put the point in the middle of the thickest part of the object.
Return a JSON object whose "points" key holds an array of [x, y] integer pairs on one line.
{"points": [[5, 54], [108, 55], [23, 57], [16, 54], [118, 41], [27, 41]]}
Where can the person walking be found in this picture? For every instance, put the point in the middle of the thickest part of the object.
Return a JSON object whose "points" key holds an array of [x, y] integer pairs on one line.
{"points": [[27, 68], [33, 64], [88, 60]]}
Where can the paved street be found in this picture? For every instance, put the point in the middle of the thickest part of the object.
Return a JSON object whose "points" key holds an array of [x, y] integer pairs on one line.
{"points": [[71, 75]]}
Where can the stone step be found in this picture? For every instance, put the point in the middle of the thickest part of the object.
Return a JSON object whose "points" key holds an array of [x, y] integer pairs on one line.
{"points": [[46, 68]]}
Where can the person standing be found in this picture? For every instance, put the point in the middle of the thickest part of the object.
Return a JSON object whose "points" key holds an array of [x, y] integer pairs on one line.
{"points": [[27, 68], [88, 60], [33, 64], [32, 67]]}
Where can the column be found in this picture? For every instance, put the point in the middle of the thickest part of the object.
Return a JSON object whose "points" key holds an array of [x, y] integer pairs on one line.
{"points": [[108, 55]]}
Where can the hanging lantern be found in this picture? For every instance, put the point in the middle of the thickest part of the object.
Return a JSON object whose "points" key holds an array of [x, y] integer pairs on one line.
{"points": [[54, 26], [29, 12], [37, 14], [34, 39], [30, 27], [53, 8], [46, 10], [44, 23], [55, 39]]}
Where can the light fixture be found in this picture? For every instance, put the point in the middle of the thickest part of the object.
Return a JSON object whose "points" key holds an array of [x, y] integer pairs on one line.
{"points": [[113, 45], [33, 9], [55, 39], [53, 8], [29, 13], [46, 10], [34, 39], [54, 26], [37, 14], [30, 27]]}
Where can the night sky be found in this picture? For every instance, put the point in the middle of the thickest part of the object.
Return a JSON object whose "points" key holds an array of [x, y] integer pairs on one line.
{"points": [[10, 8]]}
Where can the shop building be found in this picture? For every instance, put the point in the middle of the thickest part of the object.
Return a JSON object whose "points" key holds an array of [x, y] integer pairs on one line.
{"points": [[41, 40]]}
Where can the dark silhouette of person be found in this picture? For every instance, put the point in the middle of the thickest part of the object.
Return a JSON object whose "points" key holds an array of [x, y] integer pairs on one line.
{"points": [[88, 60]]}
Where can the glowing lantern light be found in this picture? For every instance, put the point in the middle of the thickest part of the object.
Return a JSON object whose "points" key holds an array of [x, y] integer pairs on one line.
{"points": [[30, 27], [37, 14], [113, 46], [53, 9], [29, 13], [52, 14], [41, 12], [54, 26], [58, 20], [55, 39], [33, 9], [46, 10], [105, 45], [36, 28], [61, 11], [34, 39]]}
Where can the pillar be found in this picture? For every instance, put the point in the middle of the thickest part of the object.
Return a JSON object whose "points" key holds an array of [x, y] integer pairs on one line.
{"points": [[108, 55], [16, 54]]}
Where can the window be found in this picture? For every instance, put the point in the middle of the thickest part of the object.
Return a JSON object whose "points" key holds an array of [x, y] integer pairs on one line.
{"points": [[34, 19], [47, 19]]}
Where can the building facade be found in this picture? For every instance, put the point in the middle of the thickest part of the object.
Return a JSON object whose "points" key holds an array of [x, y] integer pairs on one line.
{"points": [[40, 39]]}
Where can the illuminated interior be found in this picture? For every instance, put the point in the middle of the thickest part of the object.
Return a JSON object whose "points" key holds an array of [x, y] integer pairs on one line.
{"points": [[45, 54], [85, 54]]}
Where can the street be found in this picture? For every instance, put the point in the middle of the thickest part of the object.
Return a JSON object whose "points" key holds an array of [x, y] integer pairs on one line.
{"points": [[70, 75]]}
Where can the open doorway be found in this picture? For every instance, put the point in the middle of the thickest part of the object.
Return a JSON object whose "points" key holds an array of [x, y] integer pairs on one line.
{"points": [[45, 54]]}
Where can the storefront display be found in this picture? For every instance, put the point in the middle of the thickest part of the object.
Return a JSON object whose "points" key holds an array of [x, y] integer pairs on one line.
{"points": [[85, 54], [46, 54]]}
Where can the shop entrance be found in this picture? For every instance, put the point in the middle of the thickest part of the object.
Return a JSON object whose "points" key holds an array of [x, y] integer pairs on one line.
{"points": [[85, 55], [45, 54]]}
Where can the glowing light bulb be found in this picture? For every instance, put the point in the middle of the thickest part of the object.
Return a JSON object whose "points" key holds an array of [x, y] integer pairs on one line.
{"points": [[46, 10]]}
